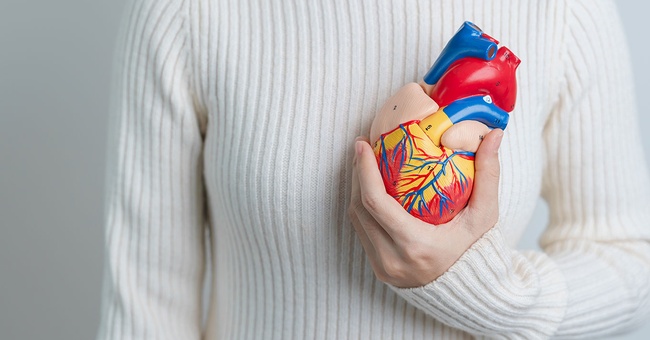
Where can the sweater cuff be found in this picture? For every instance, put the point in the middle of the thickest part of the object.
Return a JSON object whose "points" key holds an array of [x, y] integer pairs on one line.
{"points": [[494, 290]]}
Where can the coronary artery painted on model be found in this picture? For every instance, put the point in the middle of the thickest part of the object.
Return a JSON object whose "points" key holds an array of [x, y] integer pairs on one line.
{"points": [[471, 86]]}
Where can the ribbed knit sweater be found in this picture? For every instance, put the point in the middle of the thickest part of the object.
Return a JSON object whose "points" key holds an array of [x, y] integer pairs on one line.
{"points": [[230, 154]]}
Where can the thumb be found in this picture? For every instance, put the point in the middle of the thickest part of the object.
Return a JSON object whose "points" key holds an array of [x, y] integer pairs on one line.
{"points": [[485, 195]]}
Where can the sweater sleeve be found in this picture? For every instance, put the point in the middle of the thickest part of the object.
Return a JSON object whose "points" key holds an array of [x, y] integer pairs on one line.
{"points": [[154, 199], [593, 276]]}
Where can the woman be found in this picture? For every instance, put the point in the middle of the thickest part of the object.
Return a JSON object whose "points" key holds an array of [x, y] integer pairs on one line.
{"points": [[234, 124]]}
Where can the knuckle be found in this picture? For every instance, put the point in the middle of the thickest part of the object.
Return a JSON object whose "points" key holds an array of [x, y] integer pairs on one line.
{"points": [[352, 211], [423, 258], [371, 201], [381, 276], [355, 207], [417, 254], [394, 269], [377, 269]]}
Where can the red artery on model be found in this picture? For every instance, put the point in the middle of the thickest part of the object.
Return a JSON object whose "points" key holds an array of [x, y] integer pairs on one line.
{"points": [[473, 76]]}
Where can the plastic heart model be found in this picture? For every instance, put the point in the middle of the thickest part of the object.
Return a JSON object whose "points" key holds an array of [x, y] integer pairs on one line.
{"points": [[470, 80]]}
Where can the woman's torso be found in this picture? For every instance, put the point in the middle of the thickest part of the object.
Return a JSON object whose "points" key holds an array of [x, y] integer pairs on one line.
{"points": [[288, 86]]}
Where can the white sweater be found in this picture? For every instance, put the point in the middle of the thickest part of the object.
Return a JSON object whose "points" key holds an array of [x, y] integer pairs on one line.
{"points": [[232, 123]]}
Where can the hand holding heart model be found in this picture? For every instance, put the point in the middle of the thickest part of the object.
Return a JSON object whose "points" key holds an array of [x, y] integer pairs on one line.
{"points": [[424, 143]]}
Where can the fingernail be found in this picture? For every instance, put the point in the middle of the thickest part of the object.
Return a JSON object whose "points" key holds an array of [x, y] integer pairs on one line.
{"points": [[358, 138], [359, 146]]}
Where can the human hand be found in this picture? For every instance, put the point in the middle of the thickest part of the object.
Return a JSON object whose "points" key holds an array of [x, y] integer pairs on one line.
{"points": [[405, 251]]}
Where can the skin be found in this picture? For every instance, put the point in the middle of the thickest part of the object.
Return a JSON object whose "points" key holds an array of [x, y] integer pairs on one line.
{"points": [[403, 250]]}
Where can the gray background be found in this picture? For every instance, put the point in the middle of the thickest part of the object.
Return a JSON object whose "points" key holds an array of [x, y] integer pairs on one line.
{"points": [[55, 60]]}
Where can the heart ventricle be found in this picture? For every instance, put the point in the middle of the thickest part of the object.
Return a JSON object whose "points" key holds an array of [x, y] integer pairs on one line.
{"points": [[432, 183]]}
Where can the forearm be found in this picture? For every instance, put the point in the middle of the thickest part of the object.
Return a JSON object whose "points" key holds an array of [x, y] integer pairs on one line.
{"points": [[576, 288]]}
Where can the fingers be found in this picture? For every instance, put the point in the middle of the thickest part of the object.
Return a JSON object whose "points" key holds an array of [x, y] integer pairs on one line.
{"points": [[483, 203], [371, 229], [466, 135], [354, 211], [375, 241], [383, 208], [383, 248]]}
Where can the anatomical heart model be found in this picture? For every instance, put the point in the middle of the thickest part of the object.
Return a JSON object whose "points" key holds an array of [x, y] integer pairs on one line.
{"points": [[430, 174]]}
